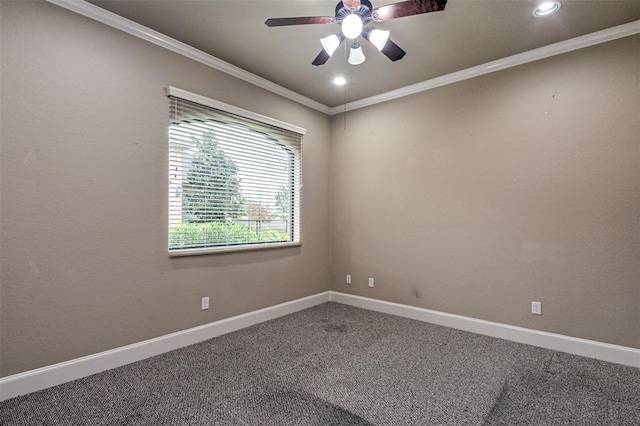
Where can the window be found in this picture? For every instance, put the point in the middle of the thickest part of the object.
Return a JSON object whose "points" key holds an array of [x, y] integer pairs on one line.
{"points": [[234, 178]]}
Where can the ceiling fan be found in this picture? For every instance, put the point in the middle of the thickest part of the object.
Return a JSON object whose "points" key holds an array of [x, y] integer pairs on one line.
{"points": [[353, 16]]}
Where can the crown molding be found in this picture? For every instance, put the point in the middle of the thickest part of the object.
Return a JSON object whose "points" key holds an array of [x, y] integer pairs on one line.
{"points": [[559, 48], [116, 21]]}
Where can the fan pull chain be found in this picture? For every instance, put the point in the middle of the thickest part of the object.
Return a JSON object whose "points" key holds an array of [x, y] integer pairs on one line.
{"points": [[346, 67]]}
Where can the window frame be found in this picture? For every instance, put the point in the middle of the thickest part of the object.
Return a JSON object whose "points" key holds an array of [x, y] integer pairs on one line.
{"points": [[173, 92]]}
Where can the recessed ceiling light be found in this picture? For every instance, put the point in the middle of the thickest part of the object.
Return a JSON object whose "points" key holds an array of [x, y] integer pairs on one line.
{"points": [[339, 81], [546, 9]]}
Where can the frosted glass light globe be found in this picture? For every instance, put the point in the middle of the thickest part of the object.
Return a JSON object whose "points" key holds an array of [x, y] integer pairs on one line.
{"points": [[352, 26], [379, 38], [356, 55], [330, 43]]}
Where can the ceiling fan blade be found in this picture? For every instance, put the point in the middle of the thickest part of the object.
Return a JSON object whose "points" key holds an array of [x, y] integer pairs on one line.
{"points": [[351, 4], [280, 22], [393, 51], [321, 59], [407, 8]]}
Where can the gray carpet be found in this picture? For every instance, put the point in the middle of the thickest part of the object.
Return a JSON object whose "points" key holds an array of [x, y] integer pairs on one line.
{"points": [[338, 365]]}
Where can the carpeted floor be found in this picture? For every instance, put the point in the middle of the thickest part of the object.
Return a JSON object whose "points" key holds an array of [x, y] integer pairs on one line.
{"points": [[339, 365]]}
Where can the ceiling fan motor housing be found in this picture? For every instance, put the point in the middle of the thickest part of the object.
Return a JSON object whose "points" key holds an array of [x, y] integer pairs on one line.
{"points": [[364, 11]]}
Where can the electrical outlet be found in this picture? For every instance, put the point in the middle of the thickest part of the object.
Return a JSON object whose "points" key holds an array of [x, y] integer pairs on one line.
{"points": [[370, 282], [348, 279], [536, 308], [204, 305]]}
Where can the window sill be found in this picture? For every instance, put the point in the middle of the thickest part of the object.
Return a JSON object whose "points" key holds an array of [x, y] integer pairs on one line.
{"points": [[230, 249]]}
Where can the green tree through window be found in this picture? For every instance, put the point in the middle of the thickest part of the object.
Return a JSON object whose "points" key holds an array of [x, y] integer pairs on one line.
{"points": [[211, 191]]}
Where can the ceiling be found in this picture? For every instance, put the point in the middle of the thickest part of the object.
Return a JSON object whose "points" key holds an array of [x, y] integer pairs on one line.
{"points": [[466, 34]]}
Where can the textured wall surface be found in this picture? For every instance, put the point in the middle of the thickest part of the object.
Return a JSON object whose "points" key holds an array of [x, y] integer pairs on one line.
{"points": [[480, 197], [84, 265], [474, 198]]}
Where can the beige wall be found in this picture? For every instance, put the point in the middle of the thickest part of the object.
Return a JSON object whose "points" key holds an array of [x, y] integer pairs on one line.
{"points": [[474, 198], [84, 265], [479, 197]]}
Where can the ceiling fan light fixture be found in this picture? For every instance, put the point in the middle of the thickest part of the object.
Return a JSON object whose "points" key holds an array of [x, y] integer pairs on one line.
{"points": [[330, 43], [356, 55], [352, 26], [547, 8], [379, 38]]}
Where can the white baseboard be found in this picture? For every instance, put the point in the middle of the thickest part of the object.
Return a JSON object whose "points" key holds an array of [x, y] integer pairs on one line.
{"points": [[558, 342], [45, 377]]}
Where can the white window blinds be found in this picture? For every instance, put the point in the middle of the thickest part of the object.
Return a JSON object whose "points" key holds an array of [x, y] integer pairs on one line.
{"points": [[234, 181]]}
